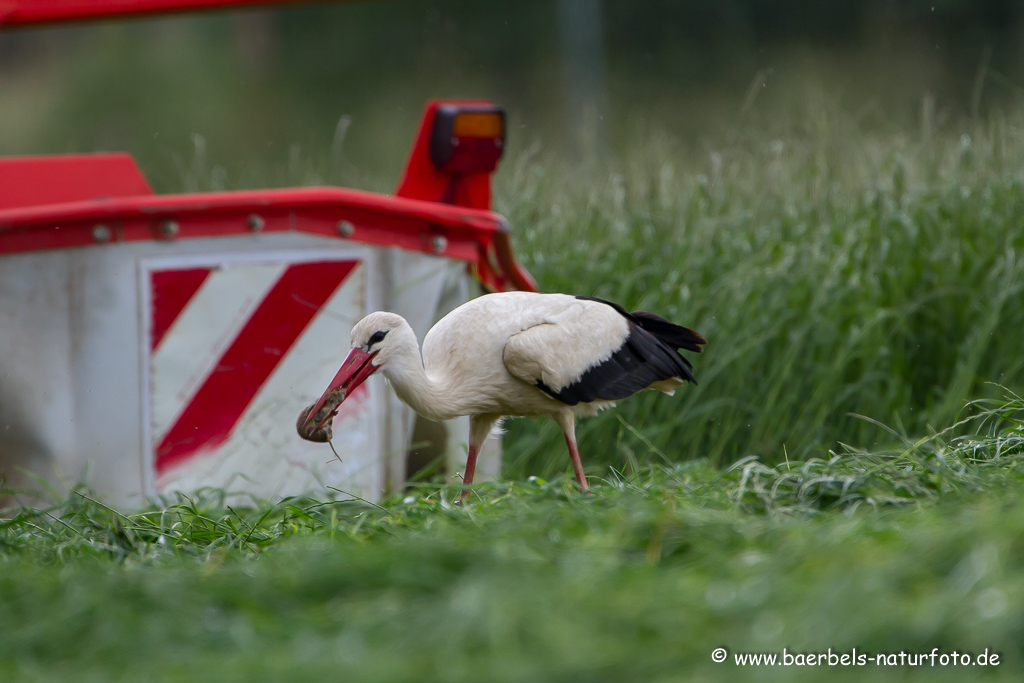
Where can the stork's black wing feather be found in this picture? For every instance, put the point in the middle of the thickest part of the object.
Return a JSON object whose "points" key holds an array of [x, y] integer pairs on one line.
{"points": [[648, 355], [676, 336]]}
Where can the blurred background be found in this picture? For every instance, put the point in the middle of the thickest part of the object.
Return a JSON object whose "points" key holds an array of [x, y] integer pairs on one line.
{"points": [[332, 92], [831, 193]]}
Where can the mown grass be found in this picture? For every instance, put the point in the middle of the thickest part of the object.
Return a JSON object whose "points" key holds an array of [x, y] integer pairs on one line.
{"points": [[908, 549]]}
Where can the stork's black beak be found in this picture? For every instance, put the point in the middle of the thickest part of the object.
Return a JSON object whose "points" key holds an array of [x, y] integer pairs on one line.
{"points": [[354, 371]]}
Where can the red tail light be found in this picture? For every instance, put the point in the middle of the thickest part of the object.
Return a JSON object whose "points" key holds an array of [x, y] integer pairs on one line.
{"points": [[467, 138]]}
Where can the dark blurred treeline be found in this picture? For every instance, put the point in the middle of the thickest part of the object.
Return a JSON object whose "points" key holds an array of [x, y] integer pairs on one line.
{"points": [[696, 41], [768, 21], [332, 91]]}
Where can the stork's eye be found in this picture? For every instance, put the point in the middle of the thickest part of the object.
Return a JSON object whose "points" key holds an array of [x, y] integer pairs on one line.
{"points": [[376, 337]]}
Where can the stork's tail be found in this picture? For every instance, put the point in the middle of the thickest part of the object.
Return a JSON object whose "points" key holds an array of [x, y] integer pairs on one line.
{"points": [[676, 336]]}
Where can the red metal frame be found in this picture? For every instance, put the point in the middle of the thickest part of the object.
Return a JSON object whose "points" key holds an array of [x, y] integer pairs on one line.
{"points": [[478, 237], [23, 12]]}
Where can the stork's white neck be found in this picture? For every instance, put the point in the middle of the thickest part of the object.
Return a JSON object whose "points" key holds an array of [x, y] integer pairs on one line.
{"points": [[428, 396]]}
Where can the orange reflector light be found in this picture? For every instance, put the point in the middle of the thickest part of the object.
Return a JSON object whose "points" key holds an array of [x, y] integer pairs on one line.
{"points": [[479, 125], [467, 138]]}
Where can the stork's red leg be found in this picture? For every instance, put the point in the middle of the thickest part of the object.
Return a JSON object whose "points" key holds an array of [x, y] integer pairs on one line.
{"points": [[567, 421], [577, 466], [467, 478], [479, 428]]}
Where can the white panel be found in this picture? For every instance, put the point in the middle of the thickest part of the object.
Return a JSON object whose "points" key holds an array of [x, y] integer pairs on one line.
{"points": [[37, 430], [106, 372]]}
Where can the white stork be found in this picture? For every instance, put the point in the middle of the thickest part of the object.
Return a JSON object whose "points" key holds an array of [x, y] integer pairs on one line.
{"points": [[514, 354]]}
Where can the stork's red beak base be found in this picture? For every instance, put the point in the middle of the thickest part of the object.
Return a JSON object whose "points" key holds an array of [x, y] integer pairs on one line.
{"points": [[354, 371]]}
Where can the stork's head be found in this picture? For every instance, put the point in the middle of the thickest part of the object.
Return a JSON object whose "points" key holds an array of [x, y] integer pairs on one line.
{"points": [[375, 339], [378, 335]]}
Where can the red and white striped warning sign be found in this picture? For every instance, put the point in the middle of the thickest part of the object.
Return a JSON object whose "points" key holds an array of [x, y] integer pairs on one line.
{"points": [[236, 350]]}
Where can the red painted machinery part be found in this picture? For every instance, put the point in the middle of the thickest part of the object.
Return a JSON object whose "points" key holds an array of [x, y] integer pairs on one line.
{"points": [[28, 12], [477, 237], [424, 180]]}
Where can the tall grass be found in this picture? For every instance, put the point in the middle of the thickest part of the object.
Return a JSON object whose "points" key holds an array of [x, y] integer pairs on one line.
{"points": [[836, 272]]}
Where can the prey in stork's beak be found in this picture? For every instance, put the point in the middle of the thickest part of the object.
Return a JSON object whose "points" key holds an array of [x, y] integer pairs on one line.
{"points": [[354, 371]]}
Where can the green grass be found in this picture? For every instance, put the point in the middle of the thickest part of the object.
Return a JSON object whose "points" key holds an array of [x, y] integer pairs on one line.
{"points": [[836, 272], [823, 487], [909, 549], [858, 278]]}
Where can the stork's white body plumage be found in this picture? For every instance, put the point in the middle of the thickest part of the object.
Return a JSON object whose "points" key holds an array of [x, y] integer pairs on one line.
{"points": [[519, 354], [486, 355]]}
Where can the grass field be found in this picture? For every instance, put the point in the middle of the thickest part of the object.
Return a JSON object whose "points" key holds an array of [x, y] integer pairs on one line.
{"points": [[848, 473], [904, 550]]}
